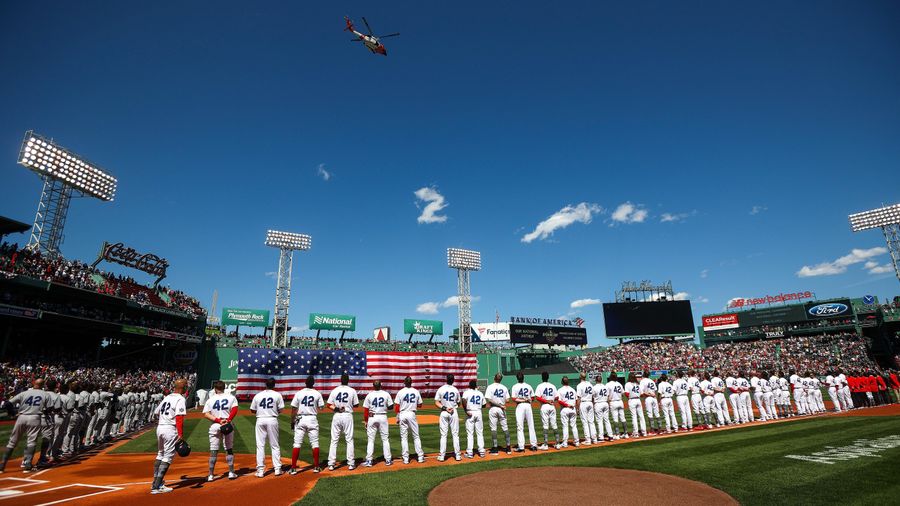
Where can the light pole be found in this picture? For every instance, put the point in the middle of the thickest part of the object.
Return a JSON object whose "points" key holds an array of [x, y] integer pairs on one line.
{"points": [[65, 174], [888, 220], [287, 243], [464, 261]]}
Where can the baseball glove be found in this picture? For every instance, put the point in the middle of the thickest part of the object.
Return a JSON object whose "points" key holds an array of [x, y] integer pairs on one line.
{"points": [[182, 448], [226, 428]]}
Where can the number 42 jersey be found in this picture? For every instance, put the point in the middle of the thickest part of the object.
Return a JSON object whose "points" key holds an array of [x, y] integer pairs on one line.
{"points": [[308, 402]]}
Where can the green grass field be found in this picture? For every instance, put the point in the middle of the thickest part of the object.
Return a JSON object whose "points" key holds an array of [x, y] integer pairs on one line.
{"points": [[748, 463]]}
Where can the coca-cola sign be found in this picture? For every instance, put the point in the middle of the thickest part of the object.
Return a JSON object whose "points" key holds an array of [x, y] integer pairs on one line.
{"points": [[129, 257]]}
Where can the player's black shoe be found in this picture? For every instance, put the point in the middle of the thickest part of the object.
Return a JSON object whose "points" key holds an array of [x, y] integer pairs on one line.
{"points": [[508, 450], [495, 451]]}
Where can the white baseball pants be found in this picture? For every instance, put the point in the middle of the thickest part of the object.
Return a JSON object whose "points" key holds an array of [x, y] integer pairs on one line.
{"points": [[587, 421], [667, 407], [305, 426], [475, 430], [638, 423], [267, 432], [341, 423], [569, 418], [601, 414], [524, 415], [378, 424], [449, 422], [684, 406], [409, 424]]}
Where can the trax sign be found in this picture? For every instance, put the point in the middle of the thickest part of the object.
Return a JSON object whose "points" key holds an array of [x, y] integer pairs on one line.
{"points": [[423, 327], [322, 321]]}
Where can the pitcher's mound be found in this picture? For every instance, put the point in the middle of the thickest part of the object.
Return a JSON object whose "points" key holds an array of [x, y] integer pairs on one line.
{"points": [[540, 486]]}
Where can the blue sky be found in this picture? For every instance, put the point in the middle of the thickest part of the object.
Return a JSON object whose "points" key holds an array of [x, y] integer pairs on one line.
{"points": [[755, 127]]}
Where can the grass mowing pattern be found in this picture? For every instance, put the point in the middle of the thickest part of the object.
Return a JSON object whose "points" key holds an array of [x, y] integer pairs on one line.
{"points": [[747, 463]]}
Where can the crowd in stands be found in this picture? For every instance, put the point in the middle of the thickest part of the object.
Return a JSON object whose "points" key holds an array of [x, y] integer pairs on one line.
{"points": [[817, 353], [101, 314], [15, 260]]}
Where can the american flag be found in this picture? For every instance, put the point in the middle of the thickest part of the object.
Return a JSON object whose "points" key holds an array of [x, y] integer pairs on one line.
{"points": [[290, 368]]}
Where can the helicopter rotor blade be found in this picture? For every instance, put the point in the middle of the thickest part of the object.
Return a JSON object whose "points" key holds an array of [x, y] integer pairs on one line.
{"points": [[367, 26], [389, 35]]}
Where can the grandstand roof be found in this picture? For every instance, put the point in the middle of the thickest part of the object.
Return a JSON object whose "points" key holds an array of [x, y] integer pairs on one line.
{"points": [[11, 226]]}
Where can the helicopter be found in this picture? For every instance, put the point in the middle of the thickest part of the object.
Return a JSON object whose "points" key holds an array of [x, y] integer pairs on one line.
{"points": [[371, 41]]}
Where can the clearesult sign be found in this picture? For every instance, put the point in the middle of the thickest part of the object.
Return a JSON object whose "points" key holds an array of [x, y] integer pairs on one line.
{"points": [[248, 317], [323, 321], [423, 327], [720, 322]]}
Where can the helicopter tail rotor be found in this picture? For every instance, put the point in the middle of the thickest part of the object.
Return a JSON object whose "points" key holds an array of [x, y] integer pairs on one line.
{"points": [[349, 27]]}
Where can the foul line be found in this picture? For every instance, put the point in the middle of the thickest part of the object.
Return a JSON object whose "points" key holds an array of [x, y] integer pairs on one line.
{"points": [[106, 490], [27, 483]]}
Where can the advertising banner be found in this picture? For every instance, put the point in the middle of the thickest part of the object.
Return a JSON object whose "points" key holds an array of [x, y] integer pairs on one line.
{"points": [[769, 299], [554, 336], [720, 322], [772, 316], [323, 321], [21, 312], [245, 317], [423, 327], [836, 309], [484, 332], [134, 330], [382, 334]]}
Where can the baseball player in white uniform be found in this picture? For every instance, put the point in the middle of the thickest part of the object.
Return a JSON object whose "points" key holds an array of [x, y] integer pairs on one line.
{"points": [[699, 408], [497, 395], [267, 405], [447, 399], [844, 390], [568, 416], [522, 395], [758, 385], [775, 388], [546, 395], [342, 400], [651, 403], [305, 408], [734, 397], [375, 409], [601, 410], [832, 383], [784, 388], [170, 412], [667, 404], [635, 407], [473, 404], [406, 403], [220, 408], [616, 406], [817, 392], [719, 387], [710, 410], [681, 388], [31, 405], [746, 398], [585, 393], [811, 406], [799, 393]]}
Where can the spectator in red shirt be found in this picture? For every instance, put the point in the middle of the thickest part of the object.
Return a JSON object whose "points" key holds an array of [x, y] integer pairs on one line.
{"points": [[895, 385]]}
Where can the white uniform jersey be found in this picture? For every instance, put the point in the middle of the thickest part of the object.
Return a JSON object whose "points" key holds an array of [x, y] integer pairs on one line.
{"points": [[731, 384], [681, 386], [666, 389], [378, 402], [219, 405], [754, 383], [267, 404], [648, 387], [814, 383], [566, 396], [84, 397], [717, 384], [308, 401], [694, 383], [94, 399], [764, 385], [830, 381], [498, 394], [615, 391], [805, 384], [344, 398], [474, 399], [706, 387], [171, 406], [546, 391], [783, 383], [841, 379], [448, 396], [774, 382], [409, 399], [522, 391], [633, 390], [585, 391], [601, 393], [31, 401], [743, 384], [796, 382]]}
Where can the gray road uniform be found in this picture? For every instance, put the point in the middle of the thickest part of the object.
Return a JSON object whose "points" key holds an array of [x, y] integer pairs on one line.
{"points": [[32, 404], [64, 407]]}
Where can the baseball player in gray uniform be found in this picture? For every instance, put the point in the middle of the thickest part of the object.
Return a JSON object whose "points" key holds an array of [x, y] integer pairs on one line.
{"points": [[73, 431], [64, 408], [31, 404], [48, 423], [93, 414]]}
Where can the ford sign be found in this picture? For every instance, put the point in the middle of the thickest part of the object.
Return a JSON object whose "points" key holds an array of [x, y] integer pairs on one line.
{"points": [[830, 309]]}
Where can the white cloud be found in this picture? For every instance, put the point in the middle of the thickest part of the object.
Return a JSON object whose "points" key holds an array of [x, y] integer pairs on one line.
{"points": [[704, 273], [324, 174], [582, 213], [702, 299], [576, 304], [881, 269], [454, 300], [840, 265], [669, 217], [434, 202], [758, 209], [629, 213], [272, 274], [427, 308]]}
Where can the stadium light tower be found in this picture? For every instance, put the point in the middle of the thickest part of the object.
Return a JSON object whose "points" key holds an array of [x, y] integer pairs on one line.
{"points": [[464, 261], [888, 220], [65, 174], [287, 243]]}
